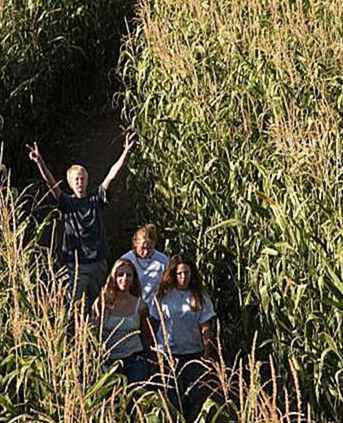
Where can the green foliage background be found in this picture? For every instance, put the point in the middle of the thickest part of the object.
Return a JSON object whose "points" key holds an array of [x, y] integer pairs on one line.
{"points": [[56, 60], [239, 109]]}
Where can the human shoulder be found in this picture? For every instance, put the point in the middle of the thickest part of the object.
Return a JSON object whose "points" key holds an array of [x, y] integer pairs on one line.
{"points": [[101, 191], [72, 197], [99, 195], [130, 255], [206, 298], [207, 310], [160, 257], [68, 200], [64, 200]]}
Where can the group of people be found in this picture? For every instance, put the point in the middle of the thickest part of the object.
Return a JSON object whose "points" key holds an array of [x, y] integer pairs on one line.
{"points": [[149, 304]]}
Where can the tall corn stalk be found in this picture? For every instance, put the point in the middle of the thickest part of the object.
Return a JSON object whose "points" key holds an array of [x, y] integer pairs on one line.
{"points": [[49, 375], [55, 63], [45, 374], [238, 107]]}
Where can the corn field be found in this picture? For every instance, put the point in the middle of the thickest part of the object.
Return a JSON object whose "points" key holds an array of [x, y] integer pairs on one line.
{"points": [[48, 374], [238, 106], [56, 62], [239, 110]]}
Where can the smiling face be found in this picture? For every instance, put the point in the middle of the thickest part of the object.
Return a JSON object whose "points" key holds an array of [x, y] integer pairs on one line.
{"points": [[183, 276], [124, 277], [78, 181]]}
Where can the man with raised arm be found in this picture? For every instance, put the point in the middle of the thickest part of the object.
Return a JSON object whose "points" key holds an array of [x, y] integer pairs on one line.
{"points": [[83, 246]]}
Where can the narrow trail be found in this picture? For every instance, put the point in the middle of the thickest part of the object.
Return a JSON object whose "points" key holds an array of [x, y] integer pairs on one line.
{"points": [[97, 143]]}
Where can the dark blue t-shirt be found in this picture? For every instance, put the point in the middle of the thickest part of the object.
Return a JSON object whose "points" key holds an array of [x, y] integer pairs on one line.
{"points": [[84, 232]]}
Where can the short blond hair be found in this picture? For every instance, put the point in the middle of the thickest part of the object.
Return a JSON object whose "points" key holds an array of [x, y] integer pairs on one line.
{"points": [[75, 168]]}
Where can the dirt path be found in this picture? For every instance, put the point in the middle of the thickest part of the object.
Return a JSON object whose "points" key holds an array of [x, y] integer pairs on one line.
{"points": [[98, 145]]}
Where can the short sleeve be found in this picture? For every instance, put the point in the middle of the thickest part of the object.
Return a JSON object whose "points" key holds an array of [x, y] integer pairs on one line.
{"points": [[101, 196], [207, 312]]}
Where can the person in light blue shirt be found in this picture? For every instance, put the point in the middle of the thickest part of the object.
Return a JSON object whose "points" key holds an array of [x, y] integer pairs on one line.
{"points": [[149, 262], [183, 312]]}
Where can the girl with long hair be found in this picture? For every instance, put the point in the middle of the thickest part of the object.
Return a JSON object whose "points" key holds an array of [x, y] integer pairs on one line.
{"points": [[122, 318], [183, 313]]}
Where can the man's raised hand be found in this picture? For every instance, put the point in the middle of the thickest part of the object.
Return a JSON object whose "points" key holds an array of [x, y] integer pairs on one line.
{"points": [[47, 176], [34, 152]]}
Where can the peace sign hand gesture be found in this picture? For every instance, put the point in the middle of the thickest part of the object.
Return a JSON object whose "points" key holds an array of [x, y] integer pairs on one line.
{"points": [[47, 176], [34, 153]]}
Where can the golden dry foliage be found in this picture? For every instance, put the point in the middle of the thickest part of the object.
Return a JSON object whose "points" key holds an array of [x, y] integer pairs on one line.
{"points": [[52, 364], [239, 110]]}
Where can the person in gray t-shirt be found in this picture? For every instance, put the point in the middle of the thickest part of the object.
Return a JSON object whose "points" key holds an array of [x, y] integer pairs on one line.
{"points": [[182, 312], [83, 249]]}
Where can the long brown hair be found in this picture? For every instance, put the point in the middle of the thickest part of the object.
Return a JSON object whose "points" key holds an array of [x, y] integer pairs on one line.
{"points": [[109, 292], [169, 281]]}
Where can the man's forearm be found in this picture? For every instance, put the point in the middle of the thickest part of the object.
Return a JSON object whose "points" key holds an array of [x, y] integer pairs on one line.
{"points": [[48, 177], [45, 173], [115, 169]]}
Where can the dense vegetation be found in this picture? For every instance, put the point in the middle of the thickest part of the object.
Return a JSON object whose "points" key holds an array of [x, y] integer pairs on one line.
{"points": [[238, 106], [49, 375], [239, 109], [56, 61]]}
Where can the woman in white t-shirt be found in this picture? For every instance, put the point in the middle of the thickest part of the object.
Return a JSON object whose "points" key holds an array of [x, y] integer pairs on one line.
{"points": [[183, 313], [122, 318], [148, 262]]}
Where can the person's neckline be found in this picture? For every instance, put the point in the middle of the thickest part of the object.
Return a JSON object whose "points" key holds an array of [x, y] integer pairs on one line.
{"points": [[179, 289], [113, 313], [149, 257], [79, 198], [144, 262]]}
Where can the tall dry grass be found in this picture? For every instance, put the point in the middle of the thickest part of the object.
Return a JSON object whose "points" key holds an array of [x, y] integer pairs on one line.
{"points": [[238, 107], [49, 374]]}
